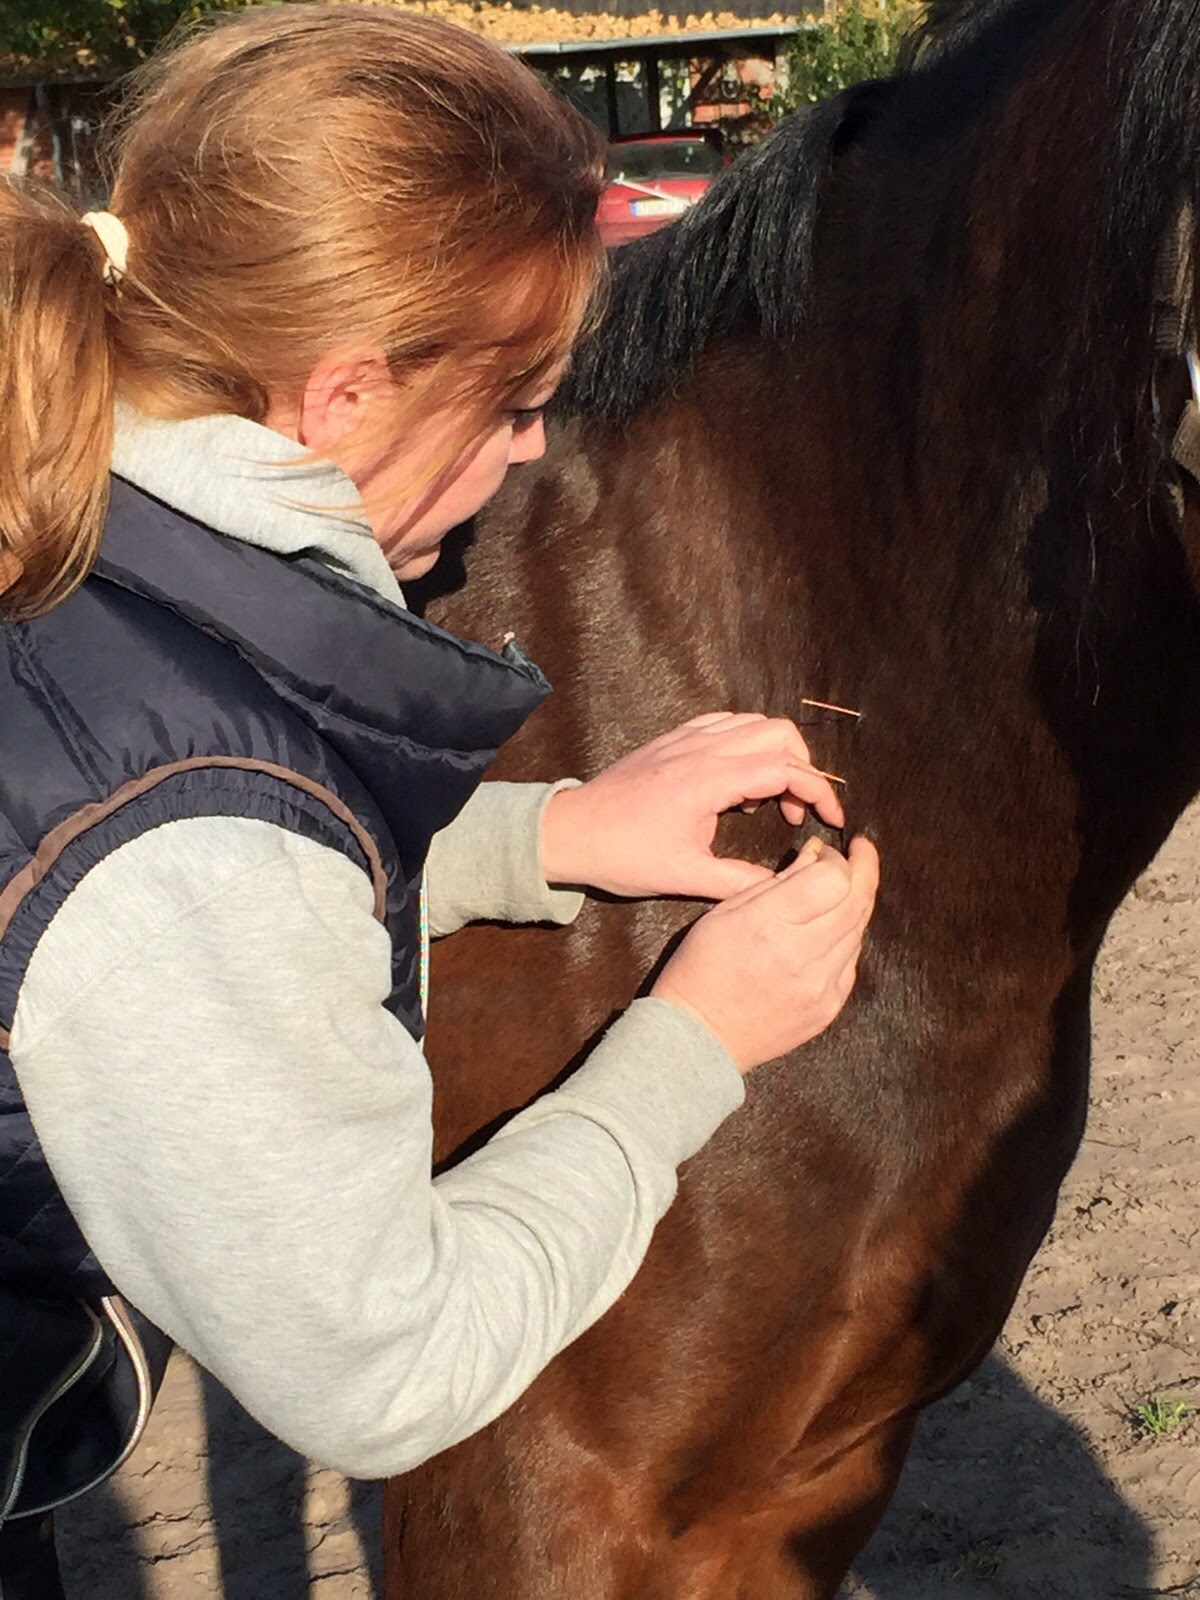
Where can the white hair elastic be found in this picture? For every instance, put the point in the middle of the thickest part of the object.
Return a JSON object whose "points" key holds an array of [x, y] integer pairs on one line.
{"points": [[112, 234]]}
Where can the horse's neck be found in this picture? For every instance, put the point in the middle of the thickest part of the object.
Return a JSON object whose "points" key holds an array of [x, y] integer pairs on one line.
{"points": [[889, 513], [1027, 668], [982, 368]]}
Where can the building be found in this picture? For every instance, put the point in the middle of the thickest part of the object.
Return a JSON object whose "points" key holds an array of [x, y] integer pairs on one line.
{"points": [[722, 76], [631, 70]]}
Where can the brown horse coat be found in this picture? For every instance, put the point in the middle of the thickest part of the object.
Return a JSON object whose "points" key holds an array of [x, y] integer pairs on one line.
{"points": [[887, 421]]}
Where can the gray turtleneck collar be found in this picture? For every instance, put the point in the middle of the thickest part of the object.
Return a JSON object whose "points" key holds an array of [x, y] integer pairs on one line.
{"points": [[244, 480]]}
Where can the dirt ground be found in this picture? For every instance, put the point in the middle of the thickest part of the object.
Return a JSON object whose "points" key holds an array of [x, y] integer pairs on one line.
{"points": [[1033, 1482]]}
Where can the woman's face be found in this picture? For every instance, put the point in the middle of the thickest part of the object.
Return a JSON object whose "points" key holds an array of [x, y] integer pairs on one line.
{"points": [[348, 403], [410, 530]]}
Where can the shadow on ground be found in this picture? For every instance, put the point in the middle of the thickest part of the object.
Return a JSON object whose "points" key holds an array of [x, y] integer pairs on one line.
{"points": [[99, 1551], [258, 1491], [1002, 1498]]}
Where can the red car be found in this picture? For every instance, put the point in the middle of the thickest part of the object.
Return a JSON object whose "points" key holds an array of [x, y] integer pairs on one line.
{"points": [[654, 177]]}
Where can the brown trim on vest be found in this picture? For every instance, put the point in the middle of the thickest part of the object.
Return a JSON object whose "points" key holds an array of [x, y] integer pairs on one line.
{"points": [[73, 827]]}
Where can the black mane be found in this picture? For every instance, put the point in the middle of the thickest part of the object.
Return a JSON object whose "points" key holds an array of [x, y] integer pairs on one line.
{"points": [[744, 253], [743, 258]]}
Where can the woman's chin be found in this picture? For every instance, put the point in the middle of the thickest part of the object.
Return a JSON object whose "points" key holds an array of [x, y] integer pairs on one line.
{"points": [[408, 565]]}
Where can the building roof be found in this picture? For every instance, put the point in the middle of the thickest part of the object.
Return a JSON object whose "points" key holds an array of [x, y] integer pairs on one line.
{"points": [[544, 28], [661, 43], [535, 31]]}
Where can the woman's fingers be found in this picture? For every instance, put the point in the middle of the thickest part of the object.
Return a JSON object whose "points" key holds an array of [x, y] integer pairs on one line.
{"points": [[838, 892], [771, 967], [807, 785], [740, 732], [645, 825], [801, 784], [821, 892], [732, 780], [844, 952], [709, 752], [725, 878], [821, 882], [711, 719], [745, 734], [863, 861], [712, 723]]}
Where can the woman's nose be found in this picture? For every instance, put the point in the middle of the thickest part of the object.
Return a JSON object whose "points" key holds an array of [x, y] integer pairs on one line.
{"points": [[529, 444]]}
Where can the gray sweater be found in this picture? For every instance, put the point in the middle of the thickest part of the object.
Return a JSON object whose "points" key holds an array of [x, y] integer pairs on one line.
{"points": [[244, 1132]]}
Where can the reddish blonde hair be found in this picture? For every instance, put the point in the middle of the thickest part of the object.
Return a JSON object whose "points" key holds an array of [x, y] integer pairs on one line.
{"points": [[294, 179]]}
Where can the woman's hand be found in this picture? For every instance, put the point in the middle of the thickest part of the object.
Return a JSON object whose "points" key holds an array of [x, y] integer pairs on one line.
{"points": [[771, 968], [646, 825]]}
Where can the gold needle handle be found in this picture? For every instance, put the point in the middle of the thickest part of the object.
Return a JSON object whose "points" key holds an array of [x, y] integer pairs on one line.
{"points": [[824, 705]]}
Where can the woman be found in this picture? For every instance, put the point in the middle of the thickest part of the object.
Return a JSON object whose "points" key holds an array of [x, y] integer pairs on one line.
{"points": [[347, 254]]}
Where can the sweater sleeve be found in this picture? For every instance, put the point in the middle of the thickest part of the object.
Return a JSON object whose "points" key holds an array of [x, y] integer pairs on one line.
{"points": [[486, 866], [244, 1133]]}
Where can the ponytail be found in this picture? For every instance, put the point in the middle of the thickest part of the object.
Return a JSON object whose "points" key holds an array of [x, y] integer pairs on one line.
{"points": [[56, 399], [296, 179]]}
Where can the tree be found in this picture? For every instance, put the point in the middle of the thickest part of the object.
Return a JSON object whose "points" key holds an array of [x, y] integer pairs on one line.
{"points": [[57, 38], [856, 40], [69, 52]]}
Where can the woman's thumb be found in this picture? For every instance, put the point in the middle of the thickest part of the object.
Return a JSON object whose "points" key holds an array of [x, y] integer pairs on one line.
{"points": [[720, 878]]}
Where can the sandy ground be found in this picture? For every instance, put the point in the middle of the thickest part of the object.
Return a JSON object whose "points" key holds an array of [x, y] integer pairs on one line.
{"points": [[1032, 1482]]}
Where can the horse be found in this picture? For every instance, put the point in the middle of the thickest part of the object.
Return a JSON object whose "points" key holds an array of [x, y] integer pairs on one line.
{"points": [[898, 418]]}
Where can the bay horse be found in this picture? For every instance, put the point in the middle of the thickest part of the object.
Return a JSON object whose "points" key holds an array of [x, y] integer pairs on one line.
{"points": [[889, 420]]}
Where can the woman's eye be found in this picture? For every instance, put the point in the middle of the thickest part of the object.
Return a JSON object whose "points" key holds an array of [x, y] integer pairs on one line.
{"points": [[525, 419]]}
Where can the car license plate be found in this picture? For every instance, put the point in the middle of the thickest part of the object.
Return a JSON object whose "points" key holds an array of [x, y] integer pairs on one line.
{"points": [[659, 208]]}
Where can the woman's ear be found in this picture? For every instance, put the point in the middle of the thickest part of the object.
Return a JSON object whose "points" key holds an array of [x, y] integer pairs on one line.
{"points": [[342, 393]]}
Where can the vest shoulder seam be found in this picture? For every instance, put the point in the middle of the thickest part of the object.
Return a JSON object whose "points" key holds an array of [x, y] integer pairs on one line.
{"points": [[52, 845], [81, 995], [67, 833]]}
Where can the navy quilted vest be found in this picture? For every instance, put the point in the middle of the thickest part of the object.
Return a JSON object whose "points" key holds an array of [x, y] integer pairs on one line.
{"points": [[193, 674]]}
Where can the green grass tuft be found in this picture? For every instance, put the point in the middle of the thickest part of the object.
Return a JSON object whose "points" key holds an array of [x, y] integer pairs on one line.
{"points": [[979, 1564], [1157, 1418]]}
